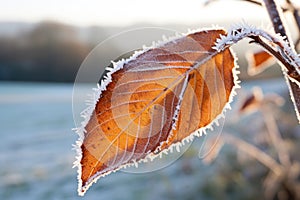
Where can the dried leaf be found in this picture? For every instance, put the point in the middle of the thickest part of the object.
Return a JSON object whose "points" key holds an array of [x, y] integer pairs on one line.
{"points": [[257, 100], [258, 61], [252, 102], [154, 100]]}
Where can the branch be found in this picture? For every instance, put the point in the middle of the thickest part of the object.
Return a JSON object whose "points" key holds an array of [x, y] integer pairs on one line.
{"points": [[275, 18], [256, 153], [254, 2], [260, 4], [274, 44], [277, 46], [270, 5], [208, 2], [296, 18], [274, 14], [276, 54], [275, 136], [295, 13]]}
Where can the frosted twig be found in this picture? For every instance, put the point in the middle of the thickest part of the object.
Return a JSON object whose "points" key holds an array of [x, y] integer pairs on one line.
{"points": [[275, 44], [256, 153]]}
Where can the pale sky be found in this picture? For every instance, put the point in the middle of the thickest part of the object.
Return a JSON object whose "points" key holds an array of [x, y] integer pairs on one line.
{"points": [[125, 12]]}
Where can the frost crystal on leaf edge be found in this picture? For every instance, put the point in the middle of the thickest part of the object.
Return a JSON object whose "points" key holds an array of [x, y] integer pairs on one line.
{"points": [[91, 103]]}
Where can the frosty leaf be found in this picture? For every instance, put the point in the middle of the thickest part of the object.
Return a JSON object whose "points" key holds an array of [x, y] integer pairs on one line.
{"points": [[153, 101], [259, 61]]}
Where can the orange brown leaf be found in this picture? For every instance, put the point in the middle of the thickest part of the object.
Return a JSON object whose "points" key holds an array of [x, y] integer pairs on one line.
{"points": [[259, 61], [153, 101], [252, 102]]}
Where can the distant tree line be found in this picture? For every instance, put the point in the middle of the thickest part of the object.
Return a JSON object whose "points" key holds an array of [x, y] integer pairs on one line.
{"points": [[49, 52], [53, 52]]}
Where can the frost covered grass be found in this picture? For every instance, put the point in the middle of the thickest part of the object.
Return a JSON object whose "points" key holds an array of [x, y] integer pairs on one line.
{"points": [[36, 154]]}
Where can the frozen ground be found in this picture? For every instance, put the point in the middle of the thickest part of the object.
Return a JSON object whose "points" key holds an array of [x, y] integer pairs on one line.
{"points": [[36, 152]]}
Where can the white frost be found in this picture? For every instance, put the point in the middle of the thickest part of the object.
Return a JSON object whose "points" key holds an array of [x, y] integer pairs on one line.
{"points": [[243, 30], [91, 103]]}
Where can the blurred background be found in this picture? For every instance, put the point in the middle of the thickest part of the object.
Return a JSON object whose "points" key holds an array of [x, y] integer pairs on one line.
{"points": [[42, 46]]}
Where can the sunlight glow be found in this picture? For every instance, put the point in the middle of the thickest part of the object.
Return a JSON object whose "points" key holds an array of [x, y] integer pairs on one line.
{"points": [[122, 13]]}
